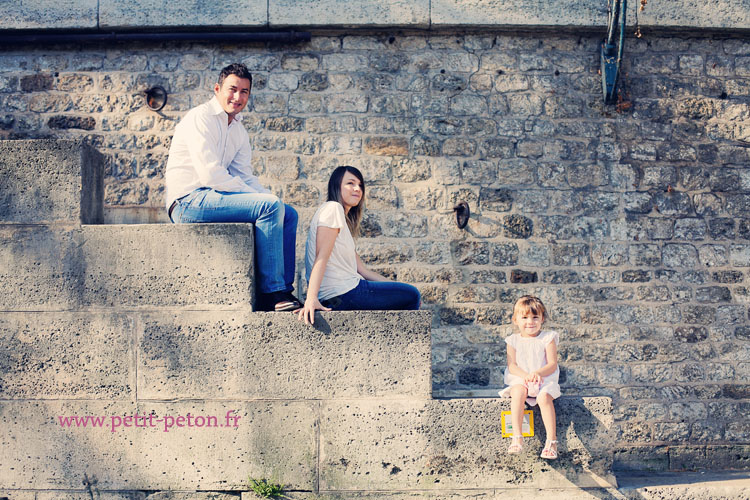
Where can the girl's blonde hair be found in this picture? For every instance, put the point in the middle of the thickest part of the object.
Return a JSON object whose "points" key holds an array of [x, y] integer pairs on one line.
{"points": [[529, 303]]}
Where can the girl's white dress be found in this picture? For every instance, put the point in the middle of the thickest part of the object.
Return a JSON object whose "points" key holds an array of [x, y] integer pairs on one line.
{"points": [[531, 355]]}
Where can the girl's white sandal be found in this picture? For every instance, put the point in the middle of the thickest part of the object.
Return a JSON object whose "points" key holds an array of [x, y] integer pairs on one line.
{"points": [[550, 450], [516, 445]]}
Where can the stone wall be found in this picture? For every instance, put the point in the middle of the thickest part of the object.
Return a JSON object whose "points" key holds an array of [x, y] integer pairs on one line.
{"points": [[632, 222]]}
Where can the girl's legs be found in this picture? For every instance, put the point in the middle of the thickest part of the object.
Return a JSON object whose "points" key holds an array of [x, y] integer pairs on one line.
{"points": [[517, 397], [547, 409], [377, 296]]}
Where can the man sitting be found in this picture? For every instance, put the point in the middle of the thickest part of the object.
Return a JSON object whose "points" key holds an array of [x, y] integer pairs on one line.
{"points": [[209, 178]]}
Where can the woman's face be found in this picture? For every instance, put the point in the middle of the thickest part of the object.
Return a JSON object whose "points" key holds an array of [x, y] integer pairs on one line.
{"points": [[351, 191]]}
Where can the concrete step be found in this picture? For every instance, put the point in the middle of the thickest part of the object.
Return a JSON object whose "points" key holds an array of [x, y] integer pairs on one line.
{"points": [[46, 267], [339, 447], [457, 444], [50, 181], [214, 355], [709, 485], [272, 355]]}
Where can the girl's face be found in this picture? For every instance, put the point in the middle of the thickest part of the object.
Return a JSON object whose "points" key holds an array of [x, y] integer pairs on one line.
{"points": [[528, 323], [351, 191]]}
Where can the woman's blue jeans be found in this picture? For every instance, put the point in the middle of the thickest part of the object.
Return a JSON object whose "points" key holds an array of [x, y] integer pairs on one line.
{"points": [[275, 229], [377, 296]]}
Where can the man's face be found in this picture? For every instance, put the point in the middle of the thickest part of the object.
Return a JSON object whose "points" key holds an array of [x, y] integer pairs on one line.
{"points": [[233, 94]]}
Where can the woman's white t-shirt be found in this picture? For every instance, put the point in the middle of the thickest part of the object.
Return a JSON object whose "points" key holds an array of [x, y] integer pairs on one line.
{"points": [[341, 271]]}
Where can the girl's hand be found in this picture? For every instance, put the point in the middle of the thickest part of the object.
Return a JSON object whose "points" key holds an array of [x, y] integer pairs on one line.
{"points": [[307, 312], [533, 378]]}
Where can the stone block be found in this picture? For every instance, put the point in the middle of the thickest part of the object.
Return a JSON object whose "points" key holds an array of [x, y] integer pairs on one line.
{"points": [[444, 444], [216, 447], [274, 356], [19, 494], [361, 13], [48, 14], [140, 13], [644, 459], [723, 14], [516, 12], [40, 268], [67, 355], [153, 265], [50, 181], [134, 266]]}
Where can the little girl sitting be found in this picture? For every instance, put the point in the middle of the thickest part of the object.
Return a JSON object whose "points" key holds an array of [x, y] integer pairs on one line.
{"points": [[532, 373]]}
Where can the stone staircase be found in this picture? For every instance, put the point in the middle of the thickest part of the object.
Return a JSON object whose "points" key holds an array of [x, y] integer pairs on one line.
{"points": [[150, 329]]}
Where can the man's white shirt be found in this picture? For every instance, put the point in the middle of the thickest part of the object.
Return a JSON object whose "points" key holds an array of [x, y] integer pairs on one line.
{"points": [[207, 151]]}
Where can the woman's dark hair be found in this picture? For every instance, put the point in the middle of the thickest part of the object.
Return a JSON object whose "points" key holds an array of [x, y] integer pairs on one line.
{"points": [[354, 216], [236, 69]]}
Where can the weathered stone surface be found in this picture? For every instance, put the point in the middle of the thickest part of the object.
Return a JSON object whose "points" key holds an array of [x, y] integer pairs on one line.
{"points": [[50, 181], [144, 266], [41, 268], [360, 12], [235, 355], [66, 356], [270, 439], [134, 266], [47, 14], [453, 443], [125, 13], [509, 493]]}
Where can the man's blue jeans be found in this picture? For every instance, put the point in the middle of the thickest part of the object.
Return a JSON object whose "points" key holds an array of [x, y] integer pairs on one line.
{"points": [[275, 229], [377, 296]]}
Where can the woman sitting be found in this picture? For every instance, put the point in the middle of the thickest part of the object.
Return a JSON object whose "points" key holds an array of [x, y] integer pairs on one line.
{"points": [[337, 279]]}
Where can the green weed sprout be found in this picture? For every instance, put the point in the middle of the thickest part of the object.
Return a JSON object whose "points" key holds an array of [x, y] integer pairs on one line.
{"points": [[265, 488]]}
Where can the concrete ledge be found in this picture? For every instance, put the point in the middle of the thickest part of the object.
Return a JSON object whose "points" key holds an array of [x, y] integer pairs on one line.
{"points": [[272, 439], [50, 181], [520, 13], [677, 486], [272, 355], [129, 266], [67, 355], [159, 265], [153, 13], [50, 14], [377, 445], [356, 13], [721, 15], [447, 444]]}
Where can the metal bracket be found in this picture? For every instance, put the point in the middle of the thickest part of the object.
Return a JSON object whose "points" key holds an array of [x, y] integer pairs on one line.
{"points": [[156, 98], [610, 69], [462, 214]]}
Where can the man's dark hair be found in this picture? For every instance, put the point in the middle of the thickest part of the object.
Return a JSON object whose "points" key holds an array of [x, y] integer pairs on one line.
{"points": [[237, 69]]}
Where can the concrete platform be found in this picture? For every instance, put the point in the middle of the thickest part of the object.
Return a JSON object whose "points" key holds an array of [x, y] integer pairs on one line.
{"points": [[50, 181], [271, 439], [336, 446], [52, 267], [457, 444], [713, 485], [219, 355]]}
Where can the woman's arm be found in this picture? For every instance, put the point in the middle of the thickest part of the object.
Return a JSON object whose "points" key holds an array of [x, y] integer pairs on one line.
{"points": [[368, 274], [324, 240]]}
